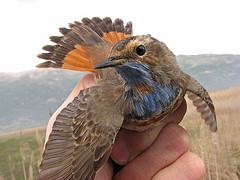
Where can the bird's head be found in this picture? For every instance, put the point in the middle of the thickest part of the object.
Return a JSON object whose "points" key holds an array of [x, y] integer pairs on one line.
{"points": [[139, 56]]}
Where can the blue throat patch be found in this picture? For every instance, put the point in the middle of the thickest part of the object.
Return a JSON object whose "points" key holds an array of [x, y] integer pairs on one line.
{"points": [[145, 98]]}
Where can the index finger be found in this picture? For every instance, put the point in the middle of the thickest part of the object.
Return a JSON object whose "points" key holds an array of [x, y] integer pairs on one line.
{"points": [[130, 144]]}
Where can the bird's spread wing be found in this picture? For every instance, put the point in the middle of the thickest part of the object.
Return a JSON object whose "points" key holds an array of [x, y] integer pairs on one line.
{"points": [[82, 136], [84, 44], [202, 101]]}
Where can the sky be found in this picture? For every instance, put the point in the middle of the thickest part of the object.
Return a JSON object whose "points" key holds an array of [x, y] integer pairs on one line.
{"points": [[186, 26]]}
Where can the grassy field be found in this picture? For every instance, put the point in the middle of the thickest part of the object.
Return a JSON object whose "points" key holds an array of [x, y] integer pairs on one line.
{"points": [[221, 150], [20, 152]]}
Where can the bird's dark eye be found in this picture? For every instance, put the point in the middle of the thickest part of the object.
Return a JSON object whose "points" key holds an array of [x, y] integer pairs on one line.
{"points": [[140, 50]]}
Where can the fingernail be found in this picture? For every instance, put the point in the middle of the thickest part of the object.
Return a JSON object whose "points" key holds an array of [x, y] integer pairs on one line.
{"points": [[120, 153]]}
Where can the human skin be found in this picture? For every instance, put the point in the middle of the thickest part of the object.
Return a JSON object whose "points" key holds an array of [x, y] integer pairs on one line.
{"points": [[152, 154]]}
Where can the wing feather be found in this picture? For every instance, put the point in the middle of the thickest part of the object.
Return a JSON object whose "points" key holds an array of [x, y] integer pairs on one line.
{"points": [[81, 140], [202, 101]]}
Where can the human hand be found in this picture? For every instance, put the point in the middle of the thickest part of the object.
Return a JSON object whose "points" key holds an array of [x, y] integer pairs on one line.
{"points": [[147, 155]]}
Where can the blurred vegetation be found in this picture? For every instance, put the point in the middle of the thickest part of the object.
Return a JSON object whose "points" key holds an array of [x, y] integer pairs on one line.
{"points": [[220, 151], [20, 154]]}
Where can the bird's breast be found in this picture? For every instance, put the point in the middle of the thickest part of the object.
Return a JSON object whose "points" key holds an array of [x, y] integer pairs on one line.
{"points": [[144, 103]]}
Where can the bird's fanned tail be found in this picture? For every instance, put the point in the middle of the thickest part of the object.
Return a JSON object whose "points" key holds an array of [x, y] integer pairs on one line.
{"points": [[84, 44]]}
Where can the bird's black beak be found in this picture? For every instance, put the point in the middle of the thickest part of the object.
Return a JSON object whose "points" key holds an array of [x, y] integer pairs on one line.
{"points": [[110, 62]]}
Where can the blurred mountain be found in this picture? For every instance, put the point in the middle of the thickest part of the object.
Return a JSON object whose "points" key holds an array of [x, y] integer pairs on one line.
{"points": [[28, 98], [213, 71]]}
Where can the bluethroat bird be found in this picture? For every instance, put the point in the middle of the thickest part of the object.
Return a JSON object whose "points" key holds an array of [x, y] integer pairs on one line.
{"points": [[138, 83]]}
